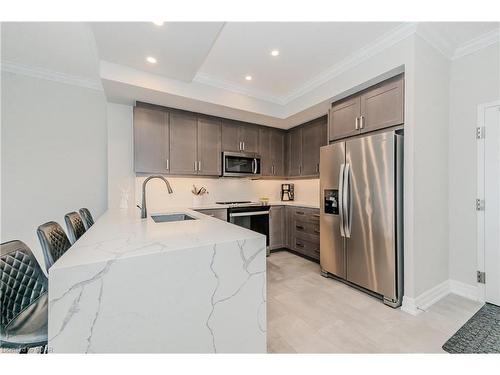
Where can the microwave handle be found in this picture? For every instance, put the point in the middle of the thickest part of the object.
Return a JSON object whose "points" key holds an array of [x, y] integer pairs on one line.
{"points": [[254, 166]]}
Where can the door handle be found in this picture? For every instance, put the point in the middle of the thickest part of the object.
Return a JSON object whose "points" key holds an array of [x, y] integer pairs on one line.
{"points": [[194, 166], [361, 122], [299, 227], [239, 147], [347, 200], [341, 199], [243, 145], [356, 123], [199, 165], [168, 165]]}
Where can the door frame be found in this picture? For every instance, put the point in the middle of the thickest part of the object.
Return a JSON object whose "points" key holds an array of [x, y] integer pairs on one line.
{"points": [[480, 214]]}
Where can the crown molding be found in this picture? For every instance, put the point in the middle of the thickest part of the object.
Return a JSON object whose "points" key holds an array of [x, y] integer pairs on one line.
{"points": [[41, 73], [429, 34], [476, 44], [380, 44], [389, 39], [209, 80]]}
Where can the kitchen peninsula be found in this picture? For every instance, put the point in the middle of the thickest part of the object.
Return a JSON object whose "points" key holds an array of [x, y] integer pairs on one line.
{"points": [[135, 285]]}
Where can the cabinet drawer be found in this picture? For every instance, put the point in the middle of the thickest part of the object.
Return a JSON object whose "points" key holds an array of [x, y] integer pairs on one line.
{"points": [[308, 248], [306, 214], [307, 231]]}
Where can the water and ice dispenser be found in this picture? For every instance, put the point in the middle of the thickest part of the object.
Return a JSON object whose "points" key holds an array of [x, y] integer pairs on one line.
{"points": [[332, 201]]}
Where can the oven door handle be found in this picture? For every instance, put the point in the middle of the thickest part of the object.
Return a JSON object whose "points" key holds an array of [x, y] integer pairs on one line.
{"points": [[252, 213]]}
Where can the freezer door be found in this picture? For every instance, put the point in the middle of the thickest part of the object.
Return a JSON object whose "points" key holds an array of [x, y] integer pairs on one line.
{"points": [[371, 247], [332, 243]]}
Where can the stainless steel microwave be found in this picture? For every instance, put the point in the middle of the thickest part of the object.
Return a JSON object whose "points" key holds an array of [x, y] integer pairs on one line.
{"points": [[238, 164]]}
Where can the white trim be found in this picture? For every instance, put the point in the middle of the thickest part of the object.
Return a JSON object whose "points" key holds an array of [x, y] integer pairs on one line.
{"points": [[477, 44], [421, 303], [410, 306], [464, 290], [480, 194], [428, 33], [42, 73]]}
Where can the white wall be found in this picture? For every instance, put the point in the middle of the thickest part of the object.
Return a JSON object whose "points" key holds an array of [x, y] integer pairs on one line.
{"points": [[120, 153], [475, 79], [430, 167], [54, 151]]}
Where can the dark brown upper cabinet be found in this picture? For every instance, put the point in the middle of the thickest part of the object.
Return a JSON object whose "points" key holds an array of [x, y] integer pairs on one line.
{"points": [[209, 146], [303, 146], [277, 146], [313, 137], [151, 141], [344, 118], [266, 164], [272, 150], [380, 106], [295, 152], [183, 143], [240, 137]]}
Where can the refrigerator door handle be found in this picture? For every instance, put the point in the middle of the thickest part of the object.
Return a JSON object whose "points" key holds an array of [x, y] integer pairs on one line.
{"points": [[347, 201], [341, 199]]}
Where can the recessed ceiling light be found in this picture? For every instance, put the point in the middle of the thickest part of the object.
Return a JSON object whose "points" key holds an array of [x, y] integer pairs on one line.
{"points": [[275, 52], [248, 78], [151, 59], [158, 23]]}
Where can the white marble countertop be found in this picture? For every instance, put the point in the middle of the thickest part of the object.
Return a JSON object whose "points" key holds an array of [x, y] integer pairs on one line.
{"points": [[122, 234]]}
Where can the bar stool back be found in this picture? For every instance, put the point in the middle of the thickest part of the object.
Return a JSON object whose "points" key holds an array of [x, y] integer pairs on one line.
{"points": [[54, 242], [75, 226], [88, 221], [23, 297]]}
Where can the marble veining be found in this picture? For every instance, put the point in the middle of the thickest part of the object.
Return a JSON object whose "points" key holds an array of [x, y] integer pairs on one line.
{"points": [[133, 286]]}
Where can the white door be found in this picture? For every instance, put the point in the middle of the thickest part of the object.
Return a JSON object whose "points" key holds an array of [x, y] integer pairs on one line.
{"points": [[489, 117]]}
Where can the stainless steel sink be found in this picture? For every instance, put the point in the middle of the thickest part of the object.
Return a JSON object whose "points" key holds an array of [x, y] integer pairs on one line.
{"points": [[165, 218]]}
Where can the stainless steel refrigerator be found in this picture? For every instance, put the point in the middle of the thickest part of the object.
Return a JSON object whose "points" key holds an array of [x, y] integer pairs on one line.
{"points": [[361, 223]]}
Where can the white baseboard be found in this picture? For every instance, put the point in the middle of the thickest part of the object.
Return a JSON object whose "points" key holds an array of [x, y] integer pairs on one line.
{"points": [[415, 306], [464, 290]]}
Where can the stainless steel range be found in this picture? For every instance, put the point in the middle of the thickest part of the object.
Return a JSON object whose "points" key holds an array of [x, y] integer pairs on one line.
{"points": [[250, 215]]}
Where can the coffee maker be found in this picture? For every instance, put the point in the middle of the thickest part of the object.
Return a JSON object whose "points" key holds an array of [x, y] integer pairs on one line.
{"points": [[287, 193]]}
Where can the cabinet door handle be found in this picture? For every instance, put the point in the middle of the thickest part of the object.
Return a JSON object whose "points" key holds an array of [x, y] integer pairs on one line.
{"points": [[362, 122], [199, 165], [168, 165], [194, 166], [299, 212], [356, 123], [299, 227], [300, 169], [273, 171], [243, 145], [317, 167], [299, 244]]}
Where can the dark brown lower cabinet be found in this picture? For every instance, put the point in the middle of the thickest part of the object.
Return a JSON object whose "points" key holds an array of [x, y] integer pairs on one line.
{"points": [[301, 231]]}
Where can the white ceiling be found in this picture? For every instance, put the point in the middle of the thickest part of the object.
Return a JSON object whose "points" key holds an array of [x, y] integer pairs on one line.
{"points": [[201, 65], [63, 47], [307, 49], [179, 47]]}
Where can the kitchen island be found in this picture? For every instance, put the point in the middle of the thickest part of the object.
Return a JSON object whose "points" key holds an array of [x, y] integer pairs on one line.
{"points": [[132, 285]]}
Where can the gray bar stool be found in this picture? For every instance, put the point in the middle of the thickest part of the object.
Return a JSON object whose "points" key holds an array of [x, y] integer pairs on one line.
{"points": [[54, 242], [23, 297], [88, 221], [75, 226]]}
